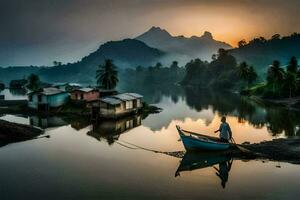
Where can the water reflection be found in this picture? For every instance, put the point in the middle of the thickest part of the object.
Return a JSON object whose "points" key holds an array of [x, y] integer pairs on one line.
{"points": [[277, 120], [46, 122], [194, 161], [110, 130], [206, 104], [193, 109], [14, 94], [199, 111]]}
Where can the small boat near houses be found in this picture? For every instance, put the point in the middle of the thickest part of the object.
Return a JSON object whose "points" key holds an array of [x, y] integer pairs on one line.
{"points": [[195, 141]]}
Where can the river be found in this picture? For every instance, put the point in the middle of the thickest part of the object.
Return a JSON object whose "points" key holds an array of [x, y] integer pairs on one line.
{"points": [[82, 161]]}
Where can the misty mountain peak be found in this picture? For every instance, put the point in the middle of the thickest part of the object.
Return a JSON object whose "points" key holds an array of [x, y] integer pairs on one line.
{"points": [[196, 46], [155, 32]]}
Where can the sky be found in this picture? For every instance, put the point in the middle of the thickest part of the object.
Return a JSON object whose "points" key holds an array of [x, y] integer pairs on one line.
{"points": [[37, 32]]}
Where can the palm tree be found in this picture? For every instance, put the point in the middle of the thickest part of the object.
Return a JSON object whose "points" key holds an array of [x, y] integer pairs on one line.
{"points": [[275, 75], [174, 65], [243, 71], [33, 82], [291, 82], [107, 75], [252, 75], [158, 66], [293, 65]]}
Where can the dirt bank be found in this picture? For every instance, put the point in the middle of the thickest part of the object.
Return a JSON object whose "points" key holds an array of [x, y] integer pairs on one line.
{"points": [[285, 150], [13, 132], [289, 103]]}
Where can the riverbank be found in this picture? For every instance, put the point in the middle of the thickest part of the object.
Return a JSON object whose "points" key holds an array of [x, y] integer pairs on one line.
{"points": [[261, 93], [288, 103], [13, 132], [68, 109], [279, 150]]}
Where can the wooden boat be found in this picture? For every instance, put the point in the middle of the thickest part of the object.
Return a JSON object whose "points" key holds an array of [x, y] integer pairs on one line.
{"points": [[195, 141]]}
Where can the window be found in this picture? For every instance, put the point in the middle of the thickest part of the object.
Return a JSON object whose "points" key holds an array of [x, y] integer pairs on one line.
{"points": [[128, 105], [129, 124], [81, 96]]}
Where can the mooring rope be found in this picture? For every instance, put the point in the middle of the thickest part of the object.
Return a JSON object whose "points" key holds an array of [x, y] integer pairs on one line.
{"points": [[177, 154]]}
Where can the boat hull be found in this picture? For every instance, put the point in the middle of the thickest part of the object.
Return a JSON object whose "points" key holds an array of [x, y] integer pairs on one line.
{"points": [[192, 143]]}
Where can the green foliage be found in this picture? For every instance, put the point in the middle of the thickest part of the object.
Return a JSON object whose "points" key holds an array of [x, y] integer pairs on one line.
{"points": [[280, 83], [157, 75], [107, 75], [2, 86], [17, 84], [260, 52], [34, 82], [252, 75], [220, 73], [293, 65]]}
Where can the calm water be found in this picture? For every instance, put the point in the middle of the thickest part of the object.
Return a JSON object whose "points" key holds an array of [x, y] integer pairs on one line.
{"points": [[14, 94], [81, 161]]}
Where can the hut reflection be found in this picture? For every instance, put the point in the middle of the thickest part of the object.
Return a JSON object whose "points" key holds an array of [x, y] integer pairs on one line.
{"points": [[110, 130], [46, 122]]}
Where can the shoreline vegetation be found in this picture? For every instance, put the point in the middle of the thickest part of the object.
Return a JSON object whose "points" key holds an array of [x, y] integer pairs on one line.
{"points": [[281, 87]]}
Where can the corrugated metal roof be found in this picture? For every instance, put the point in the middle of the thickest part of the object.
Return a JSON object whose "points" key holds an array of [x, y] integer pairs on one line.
{"points": [[51, 91], [85, 89], [117, 99], [124, 97], [135, 95], [110, 100]]}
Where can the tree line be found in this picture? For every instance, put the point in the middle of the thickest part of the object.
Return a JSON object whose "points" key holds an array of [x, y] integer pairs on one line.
{"points": [[281, 81], [222, 72]]}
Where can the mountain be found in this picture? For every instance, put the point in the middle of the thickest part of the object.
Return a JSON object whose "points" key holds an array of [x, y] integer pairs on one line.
{"points": [[202, 47], [261, 52], [128, 53]]}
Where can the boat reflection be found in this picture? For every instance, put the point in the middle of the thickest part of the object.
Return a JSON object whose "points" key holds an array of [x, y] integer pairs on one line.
{"points": [[110, 130], [195, 160]]}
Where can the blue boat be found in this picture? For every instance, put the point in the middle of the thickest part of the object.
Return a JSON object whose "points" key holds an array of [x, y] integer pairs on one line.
{"points": [[195, 141]]}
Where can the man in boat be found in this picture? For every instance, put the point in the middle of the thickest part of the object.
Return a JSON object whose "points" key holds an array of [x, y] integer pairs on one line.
{"points": [[225, 130]]}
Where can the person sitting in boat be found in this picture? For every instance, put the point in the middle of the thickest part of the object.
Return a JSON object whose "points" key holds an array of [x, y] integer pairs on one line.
{"points": [[225, 130]]}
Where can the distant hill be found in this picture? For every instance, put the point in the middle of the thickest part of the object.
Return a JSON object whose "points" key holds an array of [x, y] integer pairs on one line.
{"points": [[128, 53], [261, 52], [9, 73], [202, 47]]}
